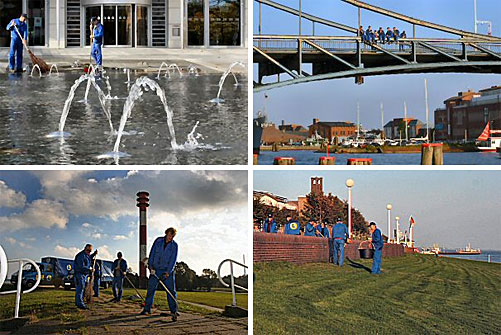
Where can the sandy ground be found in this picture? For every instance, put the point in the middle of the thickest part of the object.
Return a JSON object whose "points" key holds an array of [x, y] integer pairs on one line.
{"points": [[123, 318]]}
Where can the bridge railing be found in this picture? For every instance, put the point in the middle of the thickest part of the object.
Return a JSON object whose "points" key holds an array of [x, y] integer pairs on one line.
{"points": [[3, 276], [276, 43], [232, 278]]}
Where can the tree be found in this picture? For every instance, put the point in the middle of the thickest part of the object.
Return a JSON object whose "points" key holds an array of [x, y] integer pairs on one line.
{"points": [[208, 279], [320, 207], [186, 278]]}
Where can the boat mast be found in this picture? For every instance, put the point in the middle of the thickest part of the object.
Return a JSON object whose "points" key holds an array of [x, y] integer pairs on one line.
{"points": [[427, 110]]}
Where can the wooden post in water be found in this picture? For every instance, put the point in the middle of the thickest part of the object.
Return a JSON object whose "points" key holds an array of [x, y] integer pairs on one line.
{"points": [[438, 154], [284, 161], [327, 160], [274, 147], [359, 161], [432, 154], [255, 160]]}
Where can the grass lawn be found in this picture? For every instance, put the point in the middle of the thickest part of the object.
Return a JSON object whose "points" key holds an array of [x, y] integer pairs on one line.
{"points": [[415, 294]]}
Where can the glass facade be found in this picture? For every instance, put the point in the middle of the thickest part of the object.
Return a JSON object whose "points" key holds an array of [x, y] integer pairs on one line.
{"points": [[196, 22], [12, 9], [224, 26], [142, 26], [138, 23]]}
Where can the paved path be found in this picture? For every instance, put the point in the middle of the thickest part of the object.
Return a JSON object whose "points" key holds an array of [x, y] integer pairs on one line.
{"points": [[111, 318], [209, 60]]}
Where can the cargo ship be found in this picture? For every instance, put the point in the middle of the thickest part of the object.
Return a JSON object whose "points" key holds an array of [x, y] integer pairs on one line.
{"points": [[466, 251], [258, 127]]}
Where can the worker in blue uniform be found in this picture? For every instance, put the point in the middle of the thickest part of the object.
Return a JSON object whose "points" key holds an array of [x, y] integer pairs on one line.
{"points": [[371, 38], [162, 260], [16, 42], [310, 229], [361, 32], [381, 35], [119, 272], [97, 278], [97, 33], [292, 226], [340, 236], [389, 35], [396, 34], [82, 268], [324, 229], [270, 226], [377, 243]]}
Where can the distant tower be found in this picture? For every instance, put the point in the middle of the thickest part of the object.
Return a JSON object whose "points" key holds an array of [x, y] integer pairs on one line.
{"points": [[143, 202], [317, 185]]}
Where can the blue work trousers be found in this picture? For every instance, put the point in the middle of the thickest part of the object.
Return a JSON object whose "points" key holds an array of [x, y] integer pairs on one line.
{"points": [[97, 53], [80, 280], [376, 262], [117, 287], [338, 246], [16, 54], [152, 287]]}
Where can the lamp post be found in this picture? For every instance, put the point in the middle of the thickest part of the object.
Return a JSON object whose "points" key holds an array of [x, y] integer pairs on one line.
{"points": [[398, 229], [389, 207], [349, 184]]}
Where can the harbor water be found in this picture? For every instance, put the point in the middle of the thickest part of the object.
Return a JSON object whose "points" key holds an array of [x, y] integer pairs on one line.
{"points": [[495, 256], [307, 157]]}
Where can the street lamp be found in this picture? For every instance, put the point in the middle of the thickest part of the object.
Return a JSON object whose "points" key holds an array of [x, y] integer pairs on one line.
{"points": [[389, 207], [398, 229], [349, 184]]}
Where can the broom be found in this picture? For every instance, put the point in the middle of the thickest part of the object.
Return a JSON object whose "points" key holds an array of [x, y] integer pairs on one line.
{"points": [[89, 289], [34, 59]]}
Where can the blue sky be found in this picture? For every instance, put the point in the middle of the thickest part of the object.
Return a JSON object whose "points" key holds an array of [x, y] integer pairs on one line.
{"points": [[451, 208], [45, 213], [337, 99]]}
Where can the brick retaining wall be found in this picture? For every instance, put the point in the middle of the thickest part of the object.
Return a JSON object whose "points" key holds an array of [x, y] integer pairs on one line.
{"points": [[306, 249]]}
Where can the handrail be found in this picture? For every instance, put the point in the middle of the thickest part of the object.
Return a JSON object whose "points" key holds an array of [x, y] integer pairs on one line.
{"points": [[3, 266], [355, 38], [233, 285], [3, 273]]}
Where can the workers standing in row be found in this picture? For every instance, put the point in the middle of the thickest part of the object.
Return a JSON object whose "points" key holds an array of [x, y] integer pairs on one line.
{"points": [[119, 272]]}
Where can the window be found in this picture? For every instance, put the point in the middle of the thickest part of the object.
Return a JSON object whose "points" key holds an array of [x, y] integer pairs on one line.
{"points": [[224, 22]]}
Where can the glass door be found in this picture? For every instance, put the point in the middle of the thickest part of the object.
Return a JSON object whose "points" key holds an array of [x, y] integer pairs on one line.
{"points": [[142, 26], [196, 22], [124, 24], [109, 23], [36, 22], [89, 13], [224, 25]]}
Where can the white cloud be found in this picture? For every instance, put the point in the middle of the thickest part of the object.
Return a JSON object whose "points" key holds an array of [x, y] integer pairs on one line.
{"points": [[10, 198], [86, 225], [11, 240], [104, 252], [124, 237], [40, 213], [98, 236], [67, 252]]}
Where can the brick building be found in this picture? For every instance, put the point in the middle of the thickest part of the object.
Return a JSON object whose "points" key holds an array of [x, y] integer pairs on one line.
{"points": [[466, 115], [393, 128], [331, 130]]}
